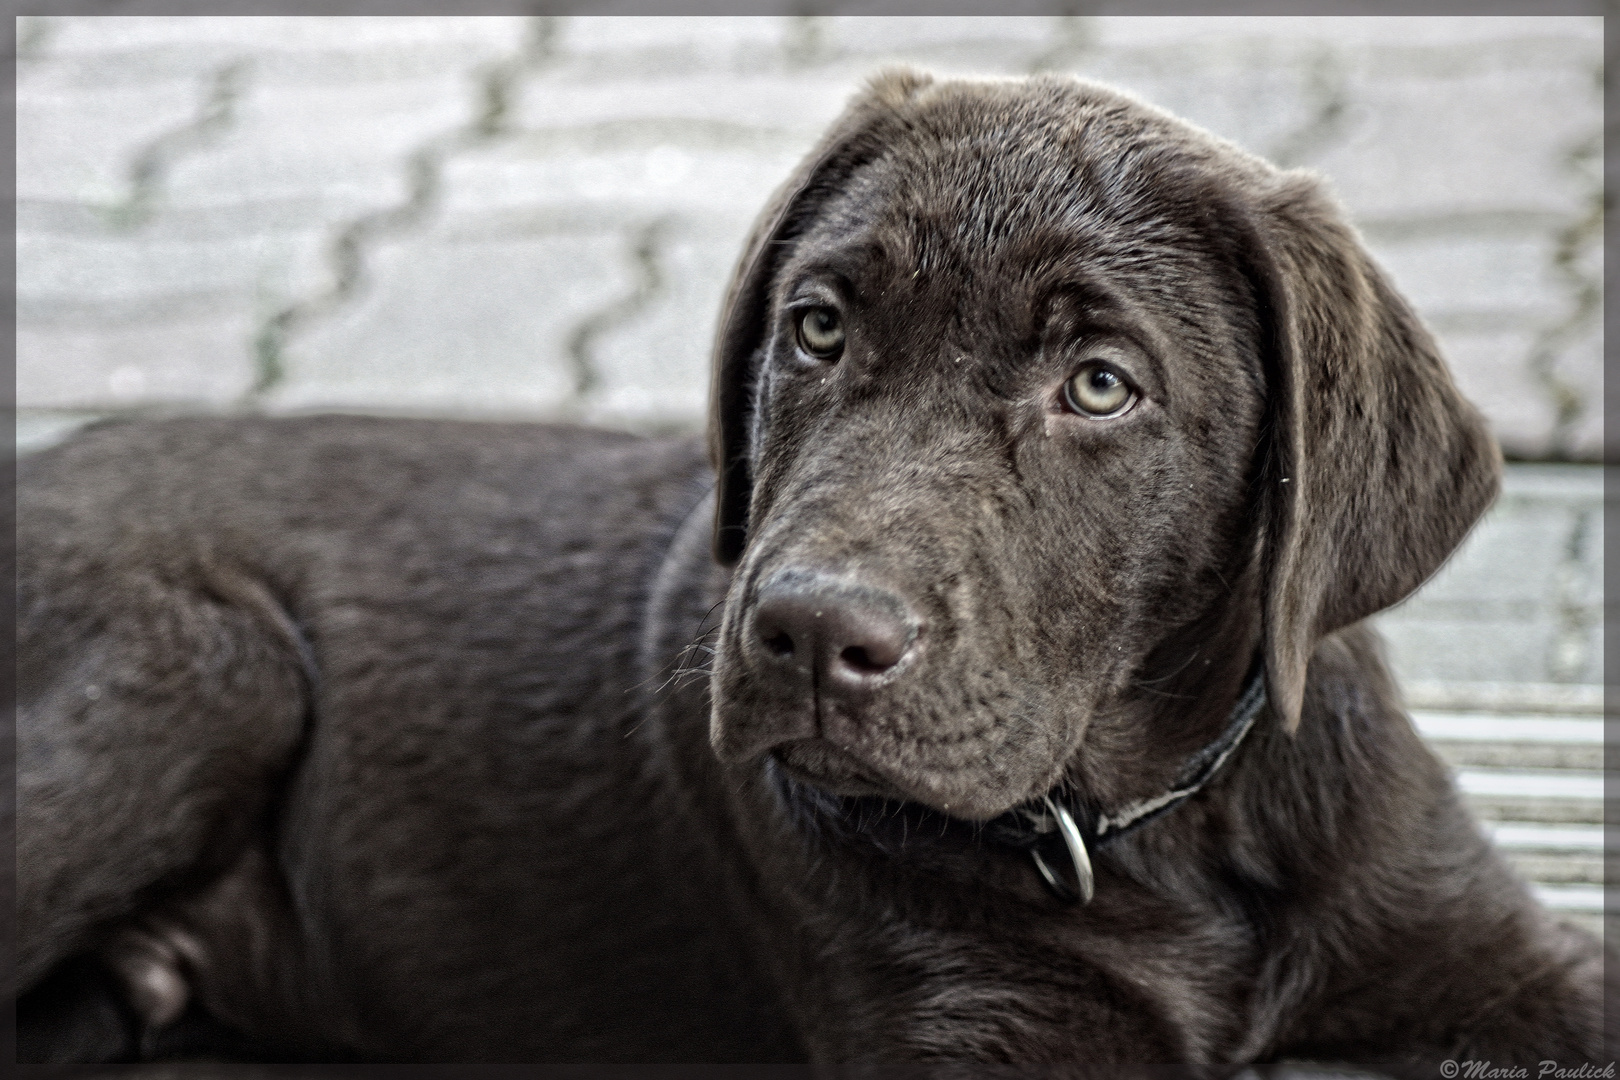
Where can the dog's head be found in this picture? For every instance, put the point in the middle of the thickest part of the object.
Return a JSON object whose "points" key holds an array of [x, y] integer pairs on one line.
{"points": [[1034, 411]]}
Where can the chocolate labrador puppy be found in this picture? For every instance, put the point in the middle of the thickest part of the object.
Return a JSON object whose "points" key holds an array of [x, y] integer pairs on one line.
{"points": [[1003, 699]]}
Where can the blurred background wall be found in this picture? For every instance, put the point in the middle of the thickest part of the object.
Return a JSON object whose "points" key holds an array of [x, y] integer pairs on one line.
{"points": [[535, 217]]}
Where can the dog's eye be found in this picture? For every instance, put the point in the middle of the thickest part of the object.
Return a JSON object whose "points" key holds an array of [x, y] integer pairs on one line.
{"points": [[821, 333], [1097, 390]]}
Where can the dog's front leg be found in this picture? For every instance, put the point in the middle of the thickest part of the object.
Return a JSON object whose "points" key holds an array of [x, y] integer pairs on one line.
{"points": [[153, 721]]}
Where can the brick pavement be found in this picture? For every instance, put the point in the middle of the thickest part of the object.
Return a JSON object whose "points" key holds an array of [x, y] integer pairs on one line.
{"points": [[510, 216]]}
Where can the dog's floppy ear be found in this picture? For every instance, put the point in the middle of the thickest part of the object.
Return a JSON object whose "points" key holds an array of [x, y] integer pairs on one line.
{"points": [[859, 136], [1378, 467]]}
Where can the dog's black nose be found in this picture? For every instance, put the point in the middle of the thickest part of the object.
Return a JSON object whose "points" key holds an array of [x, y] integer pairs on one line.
{"points": [[846, 633]]}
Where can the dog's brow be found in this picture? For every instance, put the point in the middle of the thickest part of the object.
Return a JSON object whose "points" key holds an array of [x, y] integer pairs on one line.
{"points": [[848, 262], [1083, 303], [841, 278]]}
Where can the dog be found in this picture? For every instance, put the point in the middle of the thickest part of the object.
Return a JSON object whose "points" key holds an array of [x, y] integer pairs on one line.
{"points": [[991, 688]]}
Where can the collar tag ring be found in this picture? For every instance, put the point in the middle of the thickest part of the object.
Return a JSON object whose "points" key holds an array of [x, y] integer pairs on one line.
{"points": [[1077, 855]]}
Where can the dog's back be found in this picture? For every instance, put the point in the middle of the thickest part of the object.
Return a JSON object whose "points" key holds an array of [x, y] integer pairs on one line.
{"points": [[301, 697]]}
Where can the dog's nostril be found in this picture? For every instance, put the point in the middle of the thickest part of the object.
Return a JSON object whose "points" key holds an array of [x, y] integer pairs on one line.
{"points": [[827, 635], [861, 660]]}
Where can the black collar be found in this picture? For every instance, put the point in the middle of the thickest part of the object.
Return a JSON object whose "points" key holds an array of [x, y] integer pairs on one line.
{"points": [[1055, 832]]}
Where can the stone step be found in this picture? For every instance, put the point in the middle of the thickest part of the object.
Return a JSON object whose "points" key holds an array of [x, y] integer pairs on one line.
{"points": [[1529, 762], [1514, 741], [1529, 836], [1538, 699], [1575, 876], [1560, 870], [1568, 796]]}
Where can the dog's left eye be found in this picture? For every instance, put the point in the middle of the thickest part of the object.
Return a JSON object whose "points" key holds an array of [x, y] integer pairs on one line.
{"points": [[821, 333], [1098, 390]]}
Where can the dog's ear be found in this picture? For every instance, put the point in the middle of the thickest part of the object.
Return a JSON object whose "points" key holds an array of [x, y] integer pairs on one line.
{"points": [[859, 136], [1377, 466]]}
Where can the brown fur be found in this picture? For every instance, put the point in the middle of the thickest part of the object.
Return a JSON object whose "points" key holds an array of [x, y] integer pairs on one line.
{"points": [[402, 741]]}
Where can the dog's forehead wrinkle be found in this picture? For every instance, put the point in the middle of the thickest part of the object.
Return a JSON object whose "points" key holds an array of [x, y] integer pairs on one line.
{"points": [[1079, 241], [950, 190], [999, 313], [845, 256]]}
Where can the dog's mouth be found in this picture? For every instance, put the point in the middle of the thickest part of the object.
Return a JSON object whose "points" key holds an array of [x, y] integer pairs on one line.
{"points": [[820, 781], [964, 793], [854, 804], [822, 765], [829, 795], [924, 837]]}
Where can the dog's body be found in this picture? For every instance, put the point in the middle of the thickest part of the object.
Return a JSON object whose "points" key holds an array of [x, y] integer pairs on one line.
{"points": [[469, 736], [399, 740]]}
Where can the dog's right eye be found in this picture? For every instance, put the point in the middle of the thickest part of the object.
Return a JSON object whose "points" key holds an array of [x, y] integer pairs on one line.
{"points": [[1098, 391], [821, 333]]}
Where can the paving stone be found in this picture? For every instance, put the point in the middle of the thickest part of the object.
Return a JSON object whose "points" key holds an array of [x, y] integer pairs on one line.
{"points": [[106, 54], [1521, 600], [801, 103], [133, 48], [227, 221], [958, 45], [1450, 277], [1401, 159], [458, 326], [1473, 650], [201, 361], [1579, 365], [1492, 297], [76, 144], [1477, 581], [349, 145], [653, 366], [1453, 33], [653, 179], [692, 43], [110, 278], [1417, 144], [1490, 370], [1247, 94], [39, 428]]}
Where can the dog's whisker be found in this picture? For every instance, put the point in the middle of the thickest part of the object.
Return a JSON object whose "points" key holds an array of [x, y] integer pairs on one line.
{"points": [[1167, 694]]}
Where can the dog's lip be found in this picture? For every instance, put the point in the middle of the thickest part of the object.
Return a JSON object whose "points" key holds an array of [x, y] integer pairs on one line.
{"points": [[822, 764]]}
